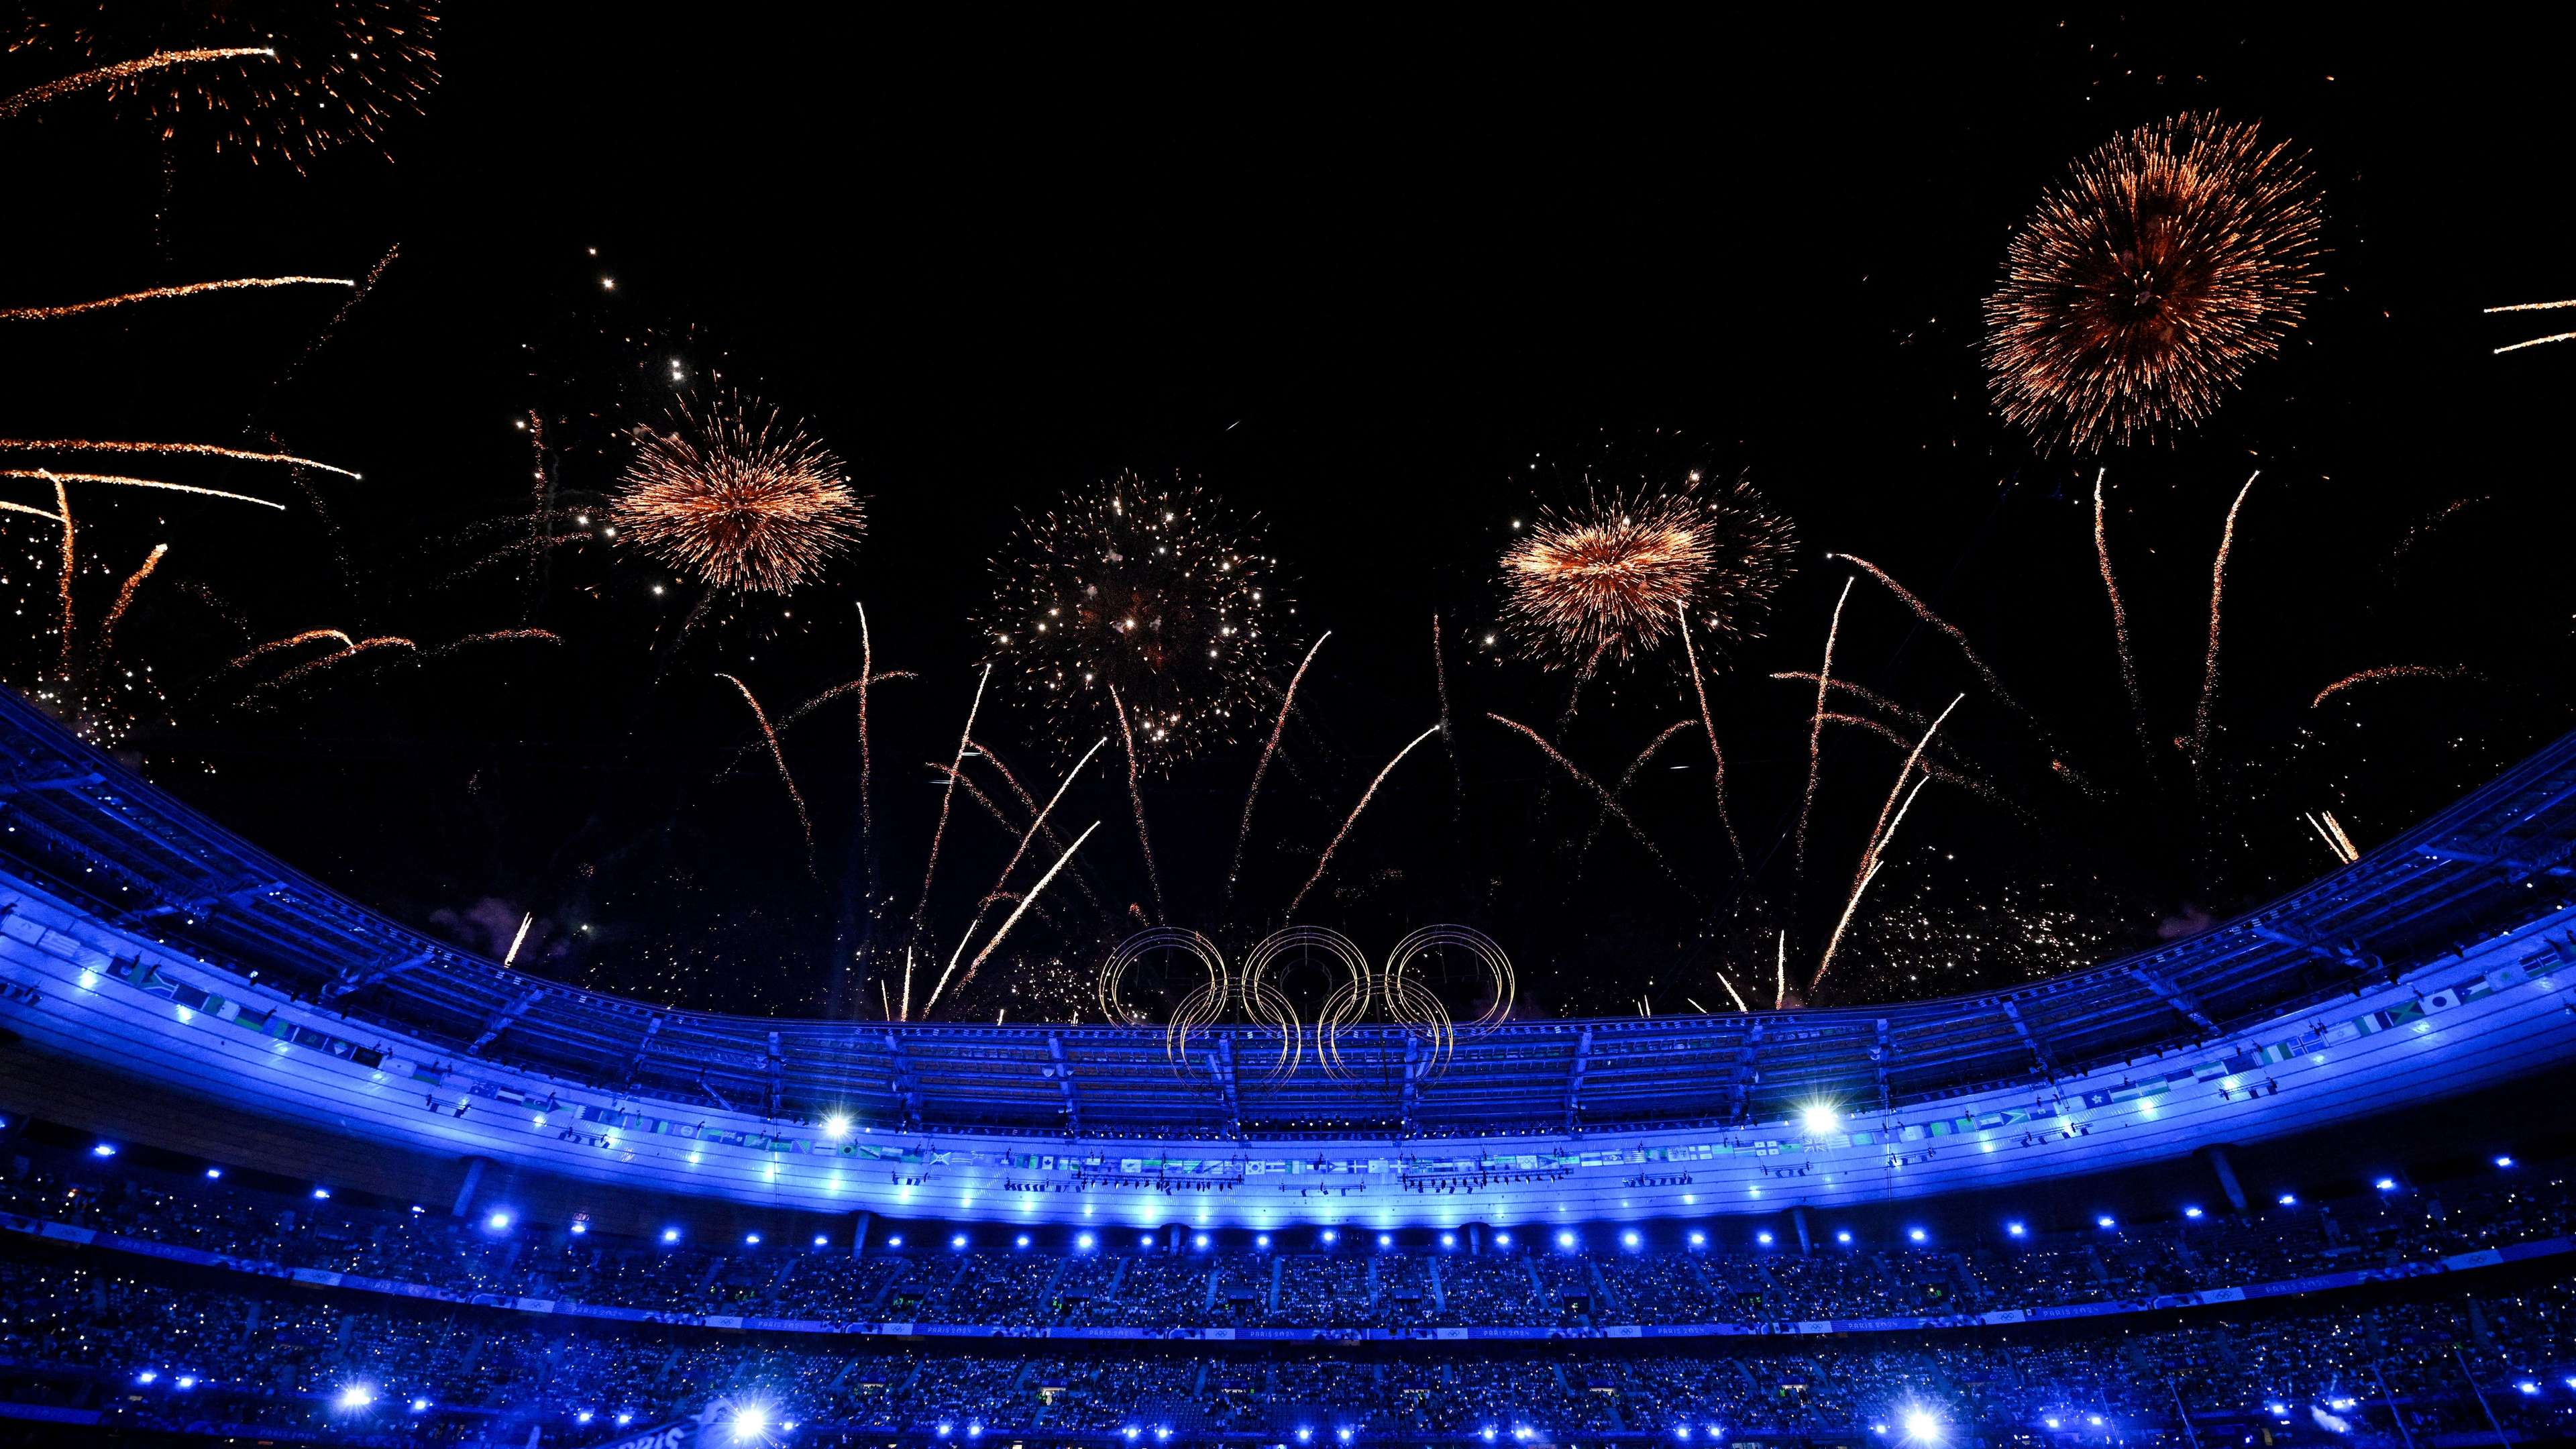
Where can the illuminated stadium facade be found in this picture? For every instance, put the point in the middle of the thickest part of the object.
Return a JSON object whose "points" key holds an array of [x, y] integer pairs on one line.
{"points": [[146, 947]]}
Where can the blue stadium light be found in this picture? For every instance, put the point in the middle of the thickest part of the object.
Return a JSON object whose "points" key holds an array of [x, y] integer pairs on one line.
{"points": [[957, 1241], [837, 1125], [1820, 1118], [1681, 1431], [1699, 1240], [147, 1376], [2526, 1386], [822, 1240], [2014, 1229], [895, 1242], [2386, 1184], [1386, 1240], [2504, 1161], [2281, 1410], [1305, 1434], [1448, 1240], [2093, 1419], [1843, 1237], [2051, 1421], [1144, 1240], [2288, 1199], [185, 1382], [1502, 1240], [321, 1194], [420, 1405], [214, 1173], [751, 1240], [1261, 1240], [1763, 1237], [2192, 1212], [104, 1149], [1133, 1433], [670, 1235], [1565, 1240], [356, 1396], [584, 1417], [1162, 1432], [2571, 1383], [580, 1227], [944, 1430], [2105, 1221], [974, 1431], [1085, 1242], [499, 1221], [1629, 1241], [1486, 1433], [1199, 1241], [1343, 1433], [1331, 1237], [1523, 1432], [1922, 1426], [1021, 1241], [625, 1418], [1918, 1235]]}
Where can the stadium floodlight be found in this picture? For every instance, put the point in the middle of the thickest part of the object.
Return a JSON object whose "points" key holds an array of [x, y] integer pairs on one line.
{"points": [[1523, 1432], [185, 1381], [1699, 1240], [1502, 1240], [1565, 1240], [1448, 1240], [1021, 1241], [1199, 1240], [670, 1235], [751, 1240], [2192, 1212], [1261, 1240], [214, 1173], [625, 1417], [1162, 1432], [321, 1194], [1918, 1235], [896, 1241], [2012, 1229], [2105, 1221], [1843, 1236], [2504, 1162], [1922, 1426], [580, 1226], [2051, 1421], [2288, 1199], [1629, 1240], [499, 1221], [356, 1396], [1763, 1237], [1134, 1433], [837, 1125], [2526, 1386], [974, 1431], [584, 1417], [957, 1241], [822, 1240], [147, 1376], [1681, 1431], [1486, 1433], [1820, 1118], [1386, 1240], [1343, 1433], [420, 1405], [2386, 1184], [1331, 1237], [2093, 1419], [1085, 1242], [1305, 1434], [1144, 1240], [104, 1149], [944, 1430]]}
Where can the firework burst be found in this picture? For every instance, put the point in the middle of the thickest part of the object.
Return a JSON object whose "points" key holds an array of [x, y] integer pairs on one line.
{"points": [[282, 80], [2169, 261], [1160, 597], [747, 502], [1621, 572]]}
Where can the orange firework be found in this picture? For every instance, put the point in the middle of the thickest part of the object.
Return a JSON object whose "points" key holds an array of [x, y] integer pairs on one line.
{"points": [[1322, 862], [1600, 793], [125, 70], [2217, 612], [738, 497], [194, 450], [1261, 766], [759, 716], [157, 294], [2386, 673], [1619, 573], [2168, 262], [125, 595], [2535, 341]]}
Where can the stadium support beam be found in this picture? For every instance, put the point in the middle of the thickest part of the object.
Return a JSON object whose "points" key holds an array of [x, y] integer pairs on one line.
{"points": [[777, 1069], [907, 1087], [1573, 1081], [1062, 1071], [58, 782], [2029, 1038], [2175, 997], [2347, 954], [1413, 1067], [1222, 1060], [2518, 869], [1879, 1057], [1748, 1071], [643, 1049], [350, 980], [499, 1021]]}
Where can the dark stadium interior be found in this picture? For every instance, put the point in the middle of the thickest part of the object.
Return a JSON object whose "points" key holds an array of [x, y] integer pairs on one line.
{"points": [[808, 726]]}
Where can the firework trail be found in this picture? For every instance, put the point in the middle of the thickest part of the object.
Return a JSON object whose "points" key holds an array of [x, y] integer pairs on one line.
{"points": [[1932, 769], [2388, 672], [521, 939], [2351, 852], [1448, 740], [2119, 616], [939, 832], [867, 782], [125, 595], [1617, 811], [1780, 995], [331, 328], [2535, 307], [293, 641], [541, 507], [1261, 766], [1731, 991], [804, 821], [497, 636], [999, 881], [63, 504], [2338, 844], [201, 450], [1861, 692], [1716, 752], [11, 106], [1816, 729], [1136, 798], [793, 717], [192, 289], [2209, 665], [907, 984], [1029, 803], [1326, 859], [1956, 635], [121, 481], [7, 507], [1013, 918], [1628, 776], [310, 667], [1873, 855]]}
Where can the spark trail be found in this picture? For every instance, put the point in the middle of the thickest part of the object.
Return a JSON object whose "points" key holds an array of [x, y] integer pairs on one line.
{"points": [[804, 821], [1004, 879], [1873, 855], [1861, 692], [2387, 672], [35, 96], [121, 481], [1136, 798], [1816, 729], [63, 503], [1326, 859], [293, 641], [1716, 752], [1731, 991], [1628, 776], [939, 832], [1953, 632], [2119, 616], [1617, 811], [2209, 664], [1261, 766], [157, 294], [125, 595], [196, 450], [2536, 341], [1013, 918]]}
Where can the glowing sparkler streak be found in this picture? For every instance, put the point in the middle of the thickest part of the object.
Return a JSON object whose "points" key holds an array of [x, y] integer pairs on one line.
{"points": [[1731, 991], [1136, 798], [804, 821], [2388, 672], [1931, 768], [520, 939], [1780, 996], [1953, 632], [1708, 724], [2209, 665], [1012, 864], [314, 666], [940, 831], [156, 294], [2351, 852], [7, 507], [54, 89], [125, 595], [199, 450], [2339, 849], [1599, 793], [2535, 307], [63, 503], [2119, 616], [1325, 860], [121, 481], [1861, 692], [1890, 816], [1628, 776], [1014, 918], [292, 641], [1269, 747], [1816, 729]]}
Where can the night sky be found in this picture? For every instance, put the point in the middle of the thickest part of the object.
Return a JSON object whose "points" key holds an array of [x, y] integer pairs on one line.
{"points": [[1385, 289]]}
